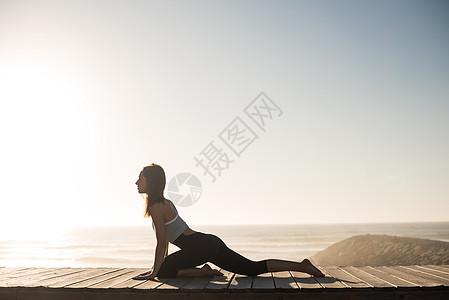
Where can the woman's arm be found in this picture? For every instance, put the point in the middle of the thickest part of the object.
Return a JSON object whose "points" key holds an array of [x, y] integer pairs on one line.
{"points": [[161, 246], [166, 249]]}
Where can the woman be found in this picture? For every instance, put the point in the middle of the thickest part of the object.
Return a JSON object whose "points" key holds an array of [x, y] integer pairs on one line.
{"points": [[196, 247]]}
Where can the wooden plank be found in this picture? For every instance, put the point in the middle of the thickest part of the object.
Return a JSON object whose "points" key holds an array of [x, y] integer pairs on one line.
{"points": [[436, 267], [284, 282], [129, 283], [346, 278], [444, 267], [91, 273], [240, 284], [219, 284], [197, 284], [97, 279], [170, 284], [14, 271], [422, 282], [329, 282], [31, 277], [42, 282], [394, 280], [427, 275], [59, 282], [306, 281], [407, 278], [263, 283], [435, 270], [132, 272], [370, 279], [150, 284], [9, 277]]}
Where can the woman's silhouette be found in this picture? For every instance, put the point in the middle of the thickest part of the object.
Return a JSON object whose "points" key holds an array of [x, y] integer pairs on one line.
{"points": [[196, 248]]}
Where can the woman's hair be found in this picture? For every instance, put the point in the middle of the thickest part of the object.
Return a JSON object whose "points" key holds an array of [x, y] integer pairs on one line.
{"points": [[155, 177]]}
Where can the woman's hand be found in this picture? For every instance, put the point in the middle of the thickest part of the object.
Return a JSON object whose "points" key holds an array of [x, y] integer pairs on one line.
{"points": [[145, 276]]}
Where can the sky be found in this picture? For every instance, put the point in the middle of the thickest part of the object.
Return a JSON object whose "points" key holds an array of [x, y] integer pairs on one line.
{"points": [[93, 91]]}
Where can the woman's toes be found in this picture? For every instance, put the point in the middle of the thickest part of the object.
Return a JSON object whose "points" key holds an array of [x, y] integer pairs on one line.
{"points": [[206, 267], [207, 270], [311, 269]]}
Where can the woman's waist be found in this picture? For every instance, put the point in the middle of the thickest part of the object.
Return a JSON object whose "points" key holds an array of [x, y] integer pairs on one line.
{"points": [[189, 231], [189, 238]]}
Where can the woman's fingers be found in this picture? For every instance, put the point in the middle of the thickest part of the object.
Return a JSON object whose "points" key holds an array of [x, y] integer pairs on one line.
{"points": [[146, 273], [142, 276]]}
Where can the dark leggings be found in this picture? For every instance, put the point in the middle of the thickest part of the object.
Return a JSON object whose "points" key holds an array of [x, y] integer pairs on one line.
{"points": [[199, 248]]}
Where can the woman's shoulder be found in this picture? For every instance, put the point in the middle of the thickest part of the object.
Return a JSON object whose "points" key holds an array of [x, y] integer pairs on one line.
{"points": [[157, 208], [159, 203]]}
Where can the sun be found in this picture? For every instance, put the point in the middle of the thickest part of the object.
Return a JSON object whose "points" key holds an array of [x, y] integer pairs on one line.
{"points": [[44, 133]]}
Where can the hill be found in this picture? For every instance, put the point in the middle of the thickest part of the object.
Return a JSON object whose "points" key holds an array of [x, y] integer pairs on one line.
{"points": [[383, 250]]}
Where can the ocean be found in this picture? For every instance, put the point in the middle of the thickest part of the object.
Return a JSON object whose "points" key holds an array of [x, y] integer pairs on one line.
{"points": [[134, 247]]}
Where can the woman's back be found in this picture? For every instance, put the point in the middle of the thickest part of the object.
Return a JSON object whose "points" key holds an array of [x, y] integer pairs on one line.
{"points": [[174, 224]]}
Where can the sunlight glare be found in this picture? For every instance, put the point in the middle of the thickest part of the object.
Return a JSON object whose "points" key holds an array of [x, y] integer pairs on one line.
{"points": [[44, 134]]}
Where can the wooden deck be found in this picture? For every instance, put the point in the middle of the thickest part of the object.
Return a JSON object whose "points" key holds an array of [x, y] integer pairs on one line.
{"points": [[399, 282]]}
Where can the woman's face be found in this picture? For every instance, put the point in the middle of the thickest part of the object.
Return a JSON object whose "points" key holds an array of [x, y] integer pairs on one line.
{"points": [[141, 183]]}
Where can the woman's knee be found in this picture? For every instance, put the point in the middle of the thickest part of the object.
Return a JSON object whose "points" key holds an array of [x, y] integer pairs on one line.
{"points": [[167, 270]]}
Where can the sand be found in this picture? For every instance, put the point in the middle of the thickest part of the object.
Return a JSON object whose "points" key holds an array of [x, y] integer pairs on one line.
{"points": [[383, 250]]}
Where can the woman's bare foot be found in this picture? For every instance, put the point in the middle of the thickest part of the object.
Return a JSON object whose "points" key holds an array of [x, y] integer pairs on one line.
{"points": [[311, 269], [208, 271]]}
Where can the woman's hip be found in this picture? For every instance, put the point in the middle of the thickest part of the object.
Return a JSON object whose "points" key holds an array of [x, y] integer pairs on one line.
{"points": [[197, 240]]}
